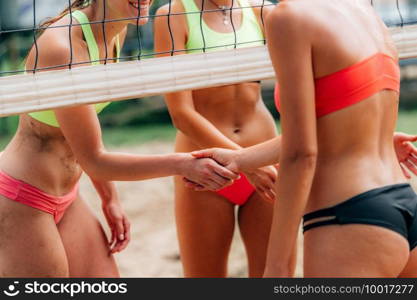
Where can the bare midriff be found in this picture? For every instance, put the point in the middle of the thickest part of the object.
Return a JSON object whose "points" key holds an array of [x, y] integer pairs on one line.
{"points": [[237, 111], [39, 155]]}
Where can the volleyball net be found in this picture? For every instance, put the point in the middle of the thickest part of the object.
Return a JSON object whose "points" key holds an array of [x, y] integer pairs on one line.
{"points": [[140, 73]]}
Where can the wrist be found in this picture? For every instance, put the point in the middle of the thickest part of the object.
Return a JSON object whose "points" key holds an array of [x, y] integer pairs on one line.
{"points": [[240, 161], [108, 201], [179, 161]]}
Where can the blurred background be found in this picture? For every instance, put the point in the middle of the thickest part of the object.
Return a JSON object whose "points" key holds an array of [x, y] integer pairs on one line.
{"points": [[16, 38], [144, 126]]}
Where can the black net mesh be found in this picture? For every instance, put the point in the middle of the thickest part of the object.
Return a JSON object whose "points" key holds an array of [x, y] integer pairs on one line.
{"points": [[22, 22]]}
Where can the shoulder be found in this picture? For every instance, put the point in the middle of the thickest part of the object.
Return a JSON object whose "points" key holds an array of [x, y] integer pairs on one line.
{"points": [[55, 48], [174, 13], [261, 6], [262, 9], [291, 18], [175, 7]]}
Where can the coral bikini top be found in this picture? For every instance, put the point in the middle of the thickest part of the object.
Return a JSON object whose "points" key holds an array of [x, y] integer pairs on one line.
{"points": [[353, 84]]}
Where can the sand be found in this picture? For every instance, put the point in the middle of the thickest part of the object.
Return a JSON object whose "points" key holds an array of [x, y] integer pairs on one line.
{"points": [[153, 250]]}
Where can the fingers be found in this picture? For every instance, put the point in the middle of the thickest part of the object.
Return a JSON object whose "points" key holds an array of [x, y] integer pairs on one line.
{"points": [[212, 183], [266, 194], [270, 195], [214, 176], [413, 138], [269, 188], [413, 159], [120, 230], [219, 181], [406, 174], [207, 153], [408, 137], [272, 173], [122, 244], [263, 183], [122, 233], [410, 148], [410, 166], [112, 239], [192, 185], [119, 226], [224, 172]]}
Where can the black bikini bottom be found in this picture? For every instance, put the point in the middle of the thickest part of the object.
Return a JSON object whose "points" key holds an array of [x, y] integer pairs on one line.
{"points": [[393, 207]]}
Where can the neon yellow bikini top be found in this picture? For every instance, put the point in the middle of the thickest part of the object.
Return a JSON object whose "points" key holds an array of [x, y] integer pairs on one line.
{"points": [[248, 34], [48, 116]]}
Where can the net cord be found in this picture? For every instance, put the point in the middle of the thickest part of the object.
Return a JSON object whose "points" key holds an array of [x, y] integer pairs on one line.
{"points": [[135, 79]]}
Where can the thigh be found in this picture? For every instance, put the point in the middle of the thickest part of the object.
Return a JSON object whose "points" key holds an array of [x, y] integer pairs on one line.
{"points": [[85, 243], [354, 251], [30, 245], [255, 219], [205, 225]]}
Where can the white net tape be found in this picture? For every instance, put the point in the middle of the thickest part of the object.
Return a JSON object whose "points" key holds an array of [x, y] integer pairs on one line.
{"points": [[135, 79]]}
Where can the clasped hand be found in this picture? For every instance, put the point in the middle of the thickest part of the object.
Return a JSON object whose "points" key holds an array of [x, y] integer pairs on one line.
{"points": [[218, 160]]}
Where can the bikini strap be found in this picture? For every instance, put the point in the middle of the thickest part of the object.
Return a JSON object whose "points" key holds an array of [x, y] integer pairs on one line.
{"points": [[325, 212], [90, 39], [322, 213]]}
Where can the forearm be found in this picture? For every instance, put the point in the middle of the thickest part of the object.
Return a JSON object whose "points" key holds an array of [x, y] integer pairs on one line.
{"points": [[293, 189], [260, 155], [203, 133], [108, 166], [106, 190]]}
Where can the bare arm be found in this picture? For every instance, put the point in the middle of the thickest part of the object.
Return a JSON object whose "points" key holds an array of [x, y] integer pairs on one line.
{"points": [[406, 152], [180, 104], [248, 159], [102, 165], [114, 214], [290, 51], [81, 129]]}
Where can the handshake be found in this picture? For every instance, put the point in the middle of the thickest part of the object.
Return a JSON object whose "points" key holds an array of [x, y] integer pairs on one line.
{"points": [[216, 168]]}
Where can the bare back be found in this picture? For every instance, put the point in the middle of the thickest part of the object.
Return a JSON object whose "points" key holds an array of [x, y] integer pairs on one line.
{"points": [[355, 144]]}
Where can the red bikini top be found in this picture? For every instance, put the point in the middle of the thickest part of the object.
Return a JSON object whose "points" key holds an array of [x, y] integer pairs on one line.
{"points": [[354, 84]]}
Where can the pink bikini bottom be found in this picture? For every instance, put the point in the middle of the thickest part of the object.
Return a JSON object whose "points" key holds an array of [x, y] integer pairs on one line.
{"points": [[29, 195]]}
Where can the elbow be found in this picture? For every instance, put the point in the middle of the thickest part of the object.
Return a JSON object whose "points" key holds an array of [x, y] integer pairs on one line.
{"points": [[179, 120], [95, 172], [93, 167], [307, 158]]}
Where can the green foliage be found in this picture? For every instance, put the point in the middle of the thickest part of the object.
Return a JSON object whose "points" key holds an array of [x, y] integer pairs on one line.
{"points": [[407, 122], [141, 134], [126, 136]]}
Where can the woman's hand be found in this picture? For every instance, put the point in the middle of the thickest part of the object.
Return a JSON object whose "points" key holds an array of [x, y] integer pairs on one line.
{"points": [[406, 152], [225, 157], [263, 179], [206, 174], [115, 216], [119, 225]]}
